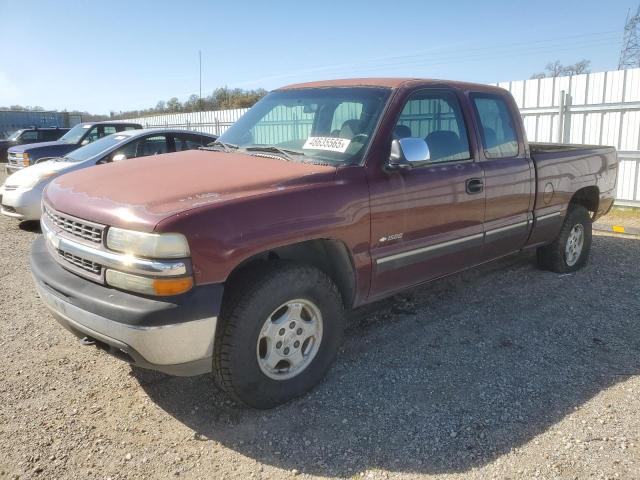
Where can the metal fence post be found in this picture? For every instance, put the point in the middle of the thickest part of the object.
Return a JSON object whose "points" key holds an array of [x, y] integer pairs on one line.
{"points": [[561, 111]]}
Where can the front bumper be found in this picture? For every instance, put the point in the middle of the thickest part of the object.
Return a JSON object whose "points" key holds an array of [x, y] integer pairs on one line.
{"points": [[22, 204], [12, 168], [173, 335]]}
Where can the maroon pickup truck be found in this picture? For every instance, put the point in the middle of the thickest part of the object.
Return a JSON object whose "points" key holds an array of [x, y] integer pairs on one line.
{"points": [[241, 258]]}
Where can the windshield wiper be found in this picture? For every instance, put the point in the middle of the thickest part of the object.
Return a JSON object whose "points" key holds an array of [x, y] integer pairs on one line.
{"points": [[214, 146], [287, 154]]}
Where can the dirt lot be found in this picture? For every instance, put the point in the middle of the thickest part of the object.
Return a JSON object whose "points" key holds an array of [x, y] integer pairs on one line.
{"points": [[501, 372]]}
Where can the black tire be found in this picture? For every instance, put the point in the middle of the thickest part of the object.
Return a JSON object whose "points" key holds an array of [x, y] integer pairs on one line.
{"points": [[254, 296], [552, 257]]}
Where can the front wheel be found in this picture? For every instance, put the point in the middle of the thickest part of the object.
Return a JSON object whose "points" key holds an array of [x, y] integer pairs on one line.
{"points": [[279, 334], [570, 250]]}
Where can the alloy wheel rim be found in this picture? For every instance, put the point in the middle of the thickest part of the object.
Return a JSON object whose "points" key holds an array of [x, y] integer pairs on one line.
{"points": [[575, 242], [289, 339]]}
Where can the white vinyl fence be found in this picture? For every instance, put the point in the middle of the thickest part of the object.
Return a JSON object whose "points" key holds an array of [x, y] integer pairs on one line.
{"points": [[600, 108], [214, 121]]}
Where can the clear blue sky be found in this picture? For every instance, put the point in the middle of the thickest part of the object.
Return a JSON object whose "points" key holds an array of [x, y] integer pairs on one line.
{"points": [[121, 55]]}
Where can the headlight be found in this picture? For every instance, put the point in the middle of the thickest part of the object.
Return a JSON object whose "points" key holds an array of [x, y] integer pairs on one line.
{"points": [[25, 159], [150, 245]]}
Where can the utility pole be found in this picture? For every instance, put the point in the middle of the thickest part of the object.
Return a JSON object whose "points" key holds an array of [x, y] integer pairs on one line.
{"points": [[630, 53]]}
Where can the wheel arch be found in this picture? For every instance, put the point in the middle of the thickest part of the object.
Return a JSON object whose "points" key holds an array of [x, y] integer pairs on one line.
{"points": [[588, 197], [331, 256]]}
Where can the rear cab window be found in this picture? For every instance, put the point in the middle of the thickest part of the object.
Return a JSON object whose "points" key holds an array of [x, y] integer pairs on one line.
{"points": [[497, 126]]}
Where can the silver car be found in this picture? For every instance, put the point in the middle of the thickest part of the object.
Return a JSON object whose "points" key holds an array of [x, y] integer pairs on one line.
{"points": [[21, 194]]}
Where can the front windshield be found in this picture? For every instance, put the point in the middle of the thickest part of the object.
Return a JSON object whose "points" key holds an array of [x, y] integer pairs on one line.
{"points": [[332, 125], [75, 134], [95, 148], [14, 136]]}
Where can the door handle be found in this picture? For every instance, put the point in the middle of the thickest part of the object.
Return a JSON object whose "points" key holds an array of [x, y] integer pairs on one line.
{"points": [[474, 185]]}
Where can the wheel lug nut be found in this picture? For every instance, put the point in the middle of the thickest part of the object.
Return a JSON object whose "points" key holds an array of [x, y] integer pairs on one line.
{"points": [[278, 345], [296, 344], [292, 325], [299, 331], [281, 332], [286, 351]]}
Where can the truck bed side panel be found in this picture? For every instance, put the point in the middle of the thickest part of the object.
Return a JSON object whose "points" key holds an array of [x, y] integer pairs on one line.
{"points": [[562, 170]]}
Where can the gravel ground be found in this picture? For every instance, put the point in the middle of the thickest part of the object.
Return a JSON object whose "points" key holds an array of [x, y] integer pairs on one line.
{"points": [[500, 372]]}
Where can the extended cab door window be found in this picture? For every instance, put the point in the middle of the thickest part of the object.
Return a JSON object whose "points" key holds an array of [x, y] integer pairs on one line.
{"points": [[509, 181], [497, 127]]}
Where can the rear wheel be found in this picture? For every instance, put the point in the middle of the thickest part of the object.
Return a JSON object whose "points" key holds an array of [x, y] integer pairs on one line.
{"points": [[279, 333], [570, 250]]}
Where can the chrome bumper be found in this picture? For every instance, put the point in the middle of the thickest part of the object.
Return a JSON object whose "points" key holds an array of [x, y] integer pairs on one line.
{"points": [[178, 349]]}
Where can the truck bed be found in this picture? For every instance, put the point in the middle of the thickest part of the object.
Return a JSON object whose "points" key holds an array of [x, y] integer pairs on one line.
{"points": [[564, 169]]}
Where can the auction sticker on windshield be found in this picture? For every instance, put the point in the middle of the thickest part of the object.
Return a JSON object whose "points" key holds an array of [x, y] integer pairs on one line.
{"points": [[327, 143]]}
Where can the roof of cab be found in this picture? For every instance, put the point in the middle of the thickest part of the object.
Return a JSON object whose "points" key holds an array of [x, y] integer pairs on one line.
{"points": [[390, 83]]}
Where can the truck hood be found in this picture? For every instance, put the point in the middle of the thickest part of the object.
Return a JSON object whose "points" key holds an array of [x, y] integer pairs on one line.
{"points": [[139, 193], [55, 147], [27, 176]]}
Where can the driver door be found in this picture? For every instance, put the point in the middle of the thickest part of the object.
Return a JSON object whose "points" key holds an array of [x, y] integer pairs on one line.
{"points": [[426, 221]]}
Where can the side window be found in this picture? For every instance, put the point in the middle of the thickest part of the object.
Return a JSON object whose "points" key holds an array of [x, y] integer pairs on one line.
{"points": [[129, 150], [189, 142], [48, 135], [124, 128], [436, 117], [29, 136], [499, 137], [92, 136], [155, 145], [107, 130]]}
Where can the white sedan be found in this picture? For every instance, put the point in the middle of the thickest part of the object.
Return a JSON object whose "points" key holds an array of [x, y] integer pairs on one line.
{"points": [[21, 194]]}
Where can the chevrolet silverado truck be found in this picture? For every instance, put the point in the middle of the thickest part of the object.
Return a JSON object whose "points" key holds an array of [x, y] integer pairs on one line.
{"points": [[241, 258], [25, 136], [82, 134]]}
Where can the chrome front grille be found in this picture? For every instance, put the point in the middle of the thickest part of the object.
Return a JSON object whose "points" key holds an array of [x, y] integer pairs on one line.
{"points": [[74, 226], [82, 263]]}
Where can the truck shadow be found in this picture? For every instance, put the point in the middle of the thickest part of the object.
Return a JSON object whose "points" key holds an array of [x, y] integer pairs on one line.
{"points": [[445, 378]]}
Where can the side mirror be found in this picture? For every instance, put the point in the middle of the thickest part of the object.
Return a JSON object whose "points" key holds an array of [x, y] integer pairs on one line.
{"points": [[118, 157], [85, 142], [408, 153]]}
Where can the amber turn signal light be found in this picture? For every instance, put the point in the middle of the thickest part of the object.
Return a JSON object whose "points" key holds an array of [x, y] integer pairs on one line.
{"points": [[172, 286]]}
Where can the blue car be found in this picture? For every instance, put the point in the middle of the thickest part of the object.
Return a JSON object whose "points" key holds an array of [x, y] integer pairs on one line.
{"points": [[82, 134]]}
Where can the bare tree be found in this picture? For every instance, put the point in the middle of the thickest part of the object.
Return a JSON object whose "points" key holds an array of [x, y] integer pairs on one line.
{"points": [[578, 68], [556, 69]]}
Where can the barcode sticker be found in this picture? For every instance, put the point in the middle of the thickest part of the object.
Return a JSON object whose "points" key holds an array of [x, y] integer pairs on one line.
{"points": [[331, 144]]}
